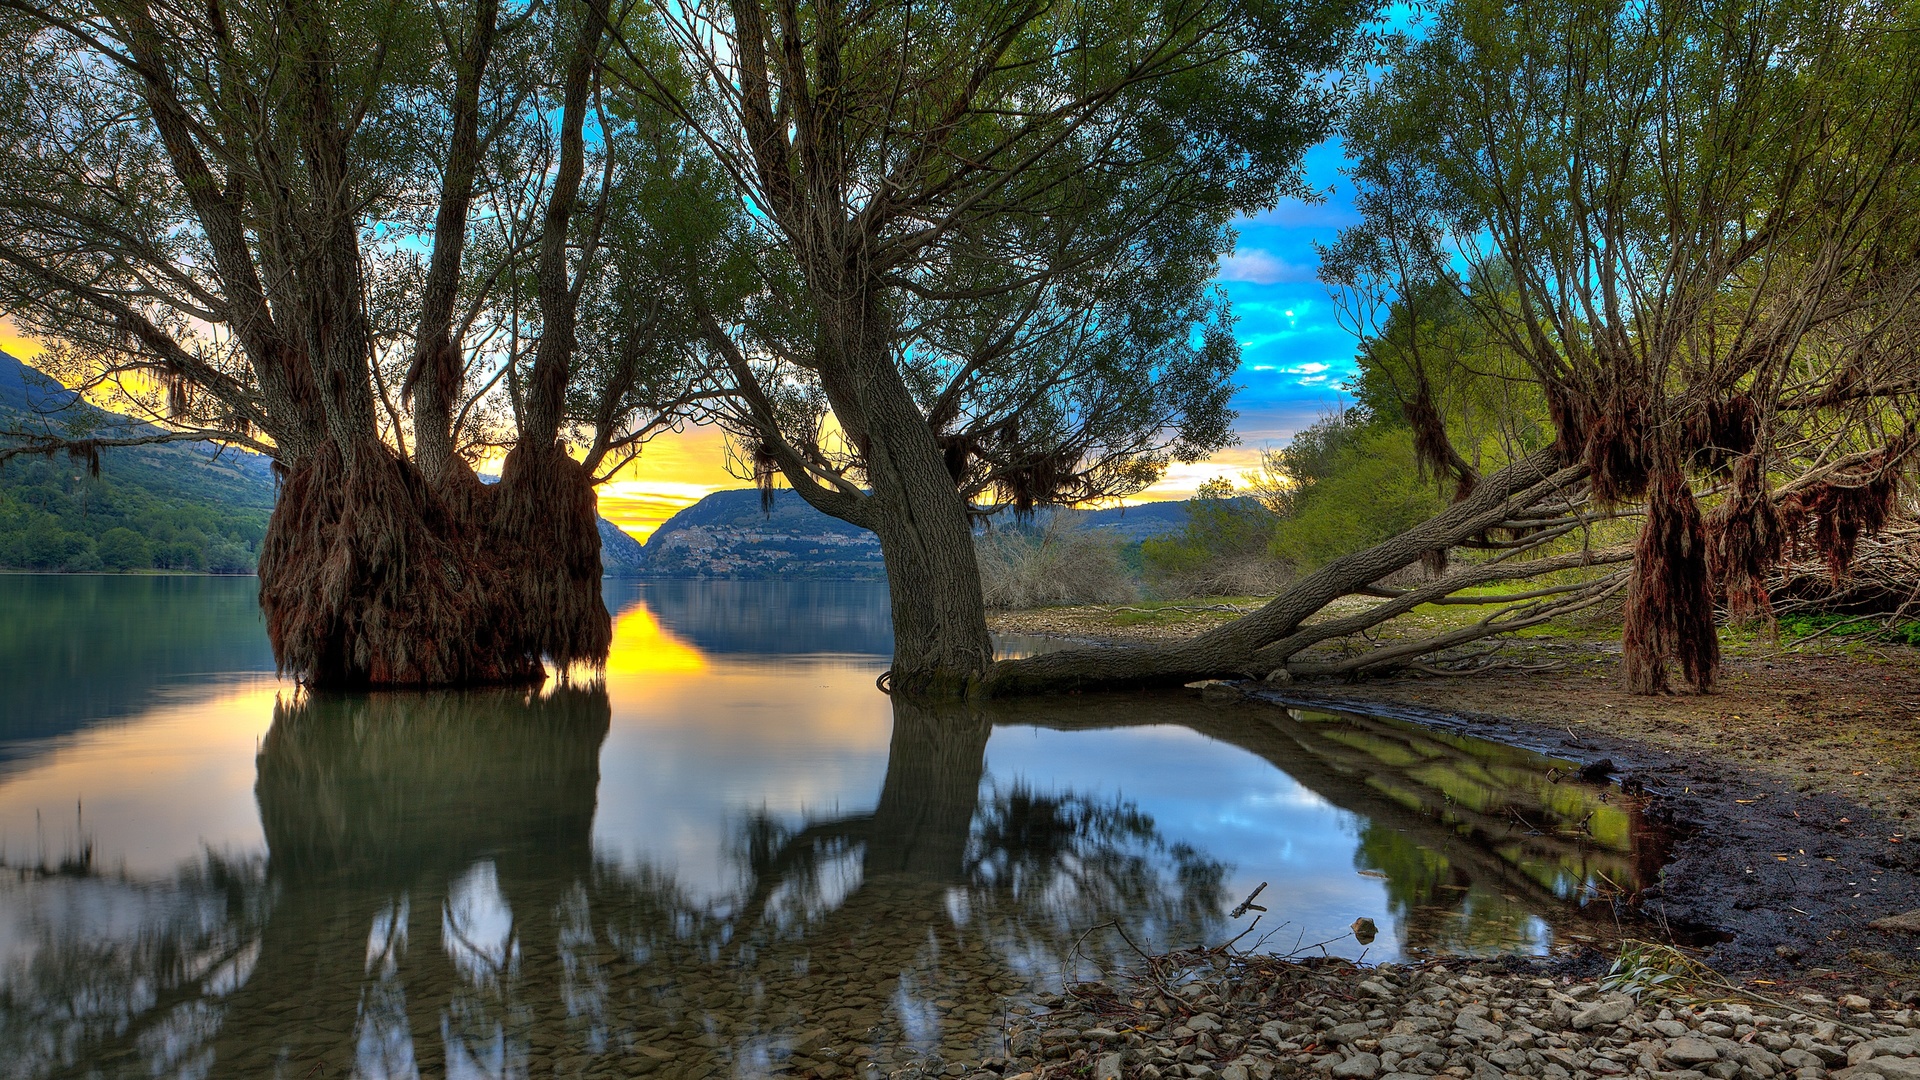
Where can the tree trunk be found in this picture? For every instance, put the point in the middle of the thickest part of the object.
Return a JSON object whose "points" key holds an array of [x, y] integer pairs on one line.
{"points": [[371, 577], [1262, 643], [941, 646]]}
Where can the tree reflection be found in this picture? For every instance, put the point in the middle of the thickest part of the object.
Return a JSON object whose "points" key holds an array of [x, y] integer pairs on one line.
{"points": [[431, 905], [1484, 847]]}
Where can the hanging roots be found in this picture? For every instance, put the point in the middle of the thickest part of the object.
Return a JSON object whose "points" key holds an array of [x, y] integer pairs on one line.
{"points": [[546, 517], [765, 468], [1431, 446], [1617, 450], [1725, 429], [1746, 538], [1841, 514], [87, 451], [1669, 615], [368, 578]]}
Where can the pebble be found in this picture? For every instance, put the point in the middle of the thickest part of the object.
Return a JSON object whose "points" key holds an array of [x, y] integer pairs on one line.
{"points": [[1262, 1018]]}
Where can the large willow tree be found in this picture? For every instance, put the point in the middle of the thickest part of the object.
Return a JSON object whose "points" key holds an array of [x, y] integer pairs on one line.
{"points": [[982, 238], [382, 243]]}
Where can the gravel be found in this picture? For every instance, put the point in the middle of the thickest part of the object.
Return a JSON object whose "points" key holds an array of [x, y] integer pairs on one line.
{"points": [[1259, 1018]]}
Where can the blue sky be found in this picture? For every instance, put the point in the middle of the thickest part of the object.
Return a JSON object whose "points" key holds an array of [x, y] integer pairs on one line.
{"points": [[1294, 353]]}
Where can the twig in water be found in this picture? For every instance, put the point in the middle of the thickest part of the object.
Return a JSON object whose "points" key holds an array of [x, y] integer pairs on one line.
{"points": [[1248, 904]]}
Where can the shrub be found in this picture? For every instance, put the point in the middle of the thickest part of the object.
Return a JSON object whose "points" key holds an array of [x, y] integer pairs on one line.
{"points": [[123, 549], [1056, 561], [1221, 552]]}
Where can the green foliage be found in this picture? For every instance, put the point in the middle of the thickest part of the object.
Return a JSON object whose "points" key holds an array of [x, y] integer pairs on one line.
{"points": [[1358, 485], [56, 517], [1856, 627], [1222, 549]]}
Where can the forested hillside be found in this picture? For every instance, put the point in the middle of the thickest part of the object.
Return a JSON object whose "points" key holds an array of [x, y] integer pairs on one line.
{"points": [[173, 507]]}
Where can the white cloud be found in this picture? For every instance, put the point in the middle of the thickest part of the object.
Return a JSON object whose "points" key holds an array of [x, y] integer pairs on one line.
{"points": [[1259, 267]]}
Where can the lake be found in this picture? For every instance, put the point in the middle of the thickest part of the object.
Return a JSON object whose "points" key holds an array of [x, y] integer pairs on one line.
{"points": [[729, 855]]}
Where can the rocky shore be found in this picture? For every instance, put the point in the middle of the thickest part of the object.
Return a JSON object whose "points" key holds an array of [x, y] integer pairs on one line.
{"points": [[1258, 1018]]}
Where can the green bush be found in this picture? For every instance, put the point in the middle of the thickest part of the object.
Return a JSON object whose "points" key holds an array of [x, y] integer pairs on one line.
{"points": [[1369, 489], [123, 549]]}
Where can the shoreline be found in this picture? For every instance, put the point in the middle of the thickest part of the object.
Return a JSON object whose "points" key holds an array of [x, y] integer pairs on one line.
{"points": [[1789, 791]]}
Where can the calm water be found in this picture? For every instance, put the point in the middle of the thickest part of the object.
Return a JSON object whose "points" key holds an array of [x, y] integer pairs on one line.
{"points": [[730, 856]]}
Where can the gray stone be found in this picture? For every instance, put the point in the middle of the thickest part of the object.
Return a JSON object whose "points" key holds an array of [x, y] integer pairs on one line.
{"points": [[1885, 1046], [1891, 1068], [1671, 1029], [1407, 1045], [1109, 1066], [1477, 1027], [1344, 1034], [1796, 1058], [1406, 1076], [1608, 1013], [1606, 1066], [1358, 1067], [1690, 1051], [1204, 1022], [1100, 1034]]}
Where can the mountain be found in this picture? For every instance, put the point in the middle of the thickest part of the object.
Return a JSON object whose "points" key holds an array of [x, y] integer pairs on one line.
{"points": [[727, 535], [620, 555], [178, 506]]}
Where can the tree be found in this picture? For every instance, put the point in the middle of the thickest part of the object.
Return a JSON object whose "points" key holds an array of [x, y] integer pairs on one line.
{"points": [[366, 240], [1690, 230], [1689, 227], [984, 236], [123, 549]]}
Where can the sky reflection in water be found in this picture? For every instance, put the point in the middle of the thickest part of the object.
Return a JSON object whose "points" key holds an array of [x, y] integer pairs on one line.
{"points": [[730, 856]]}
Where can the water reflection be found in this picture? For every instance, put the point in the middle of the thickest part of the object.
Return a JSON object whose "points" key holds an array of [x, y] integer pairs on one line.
{"points": [[712, 864]]}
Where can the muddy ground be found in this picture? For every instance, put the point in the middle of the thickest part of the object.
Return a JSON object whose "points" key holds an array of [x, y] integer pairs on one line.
{"points": [[1794, 784]]}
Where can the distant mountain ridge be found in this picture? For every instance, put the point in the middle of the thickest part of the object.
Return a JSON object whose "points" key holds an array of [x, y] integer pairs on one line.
{"points": [[728, 536]]}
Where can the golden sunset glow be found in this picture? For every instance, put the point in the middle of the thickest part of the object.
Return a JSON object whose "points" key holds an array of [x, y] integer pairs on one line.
{"points": [[16, 345], [641, 646], [674, 471]]}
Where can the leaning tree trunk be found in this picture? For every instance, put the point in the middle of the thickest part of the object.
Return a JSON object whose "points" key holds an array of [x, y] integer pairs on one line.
{"points": [[1265, 643], [941, 646], [369, 576]]}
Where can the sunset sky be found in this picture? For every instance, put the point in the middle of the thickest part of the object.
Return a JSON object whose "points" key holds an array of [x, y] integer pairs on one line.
{"points": [[1294, 356]]}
